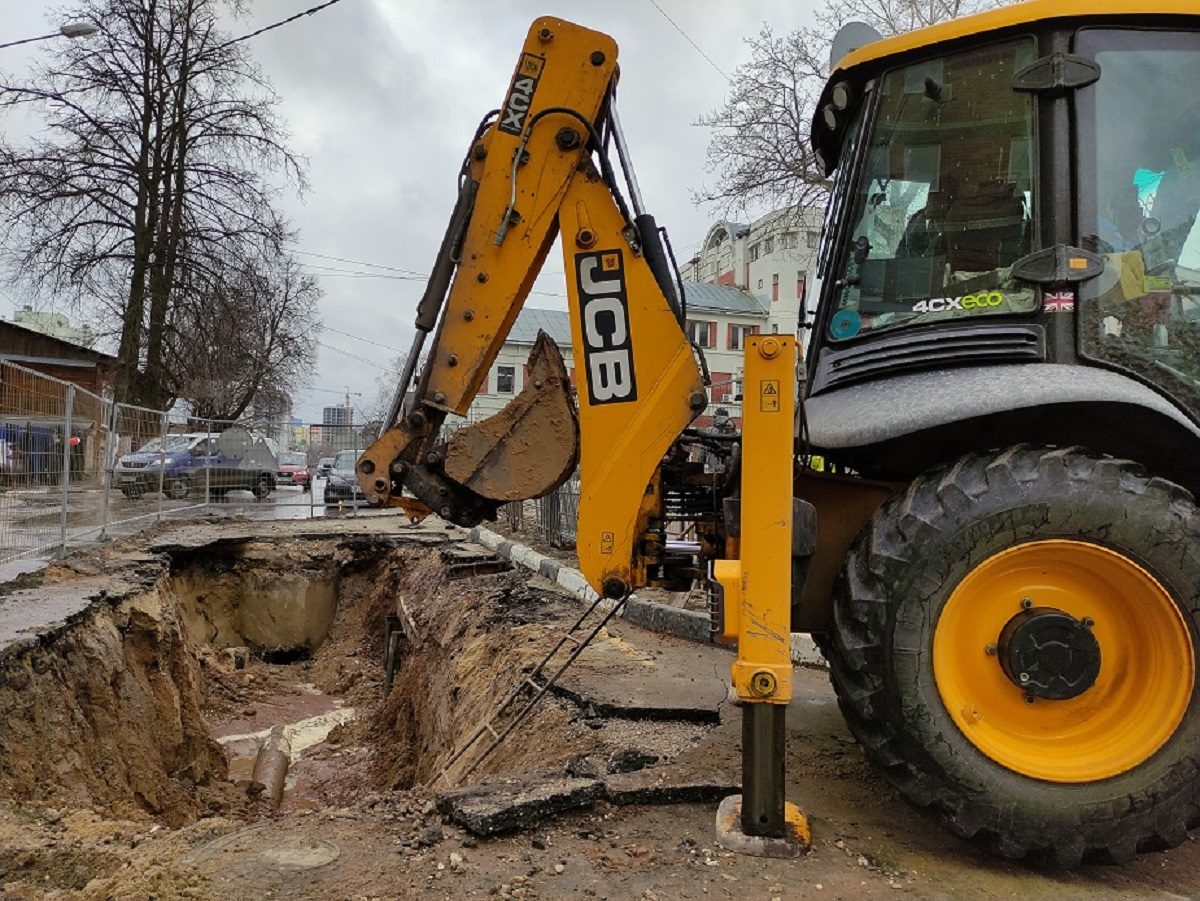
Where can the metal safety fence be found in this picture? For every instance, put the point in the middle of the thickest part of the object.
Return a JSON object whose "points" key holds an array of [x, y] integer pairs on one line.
{"points": [[551, 518], [75, 466]]}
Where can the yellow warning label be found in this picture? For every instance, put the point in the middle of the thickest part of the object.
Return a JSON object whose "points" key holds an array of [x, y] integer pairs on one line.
{"points": [[610, 262], [768, 395], [532, 65], [606, 542]]}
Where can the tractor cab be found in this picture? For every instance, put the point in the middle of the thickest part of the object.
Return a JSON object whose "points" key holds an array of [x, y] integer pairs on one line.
{"points": [[1012, 251]]}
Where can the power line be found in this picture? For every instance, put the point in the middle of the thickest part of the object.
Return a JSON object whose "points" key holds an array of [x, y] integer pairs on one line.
{"points": [[689, 40], [410, 275], [330, 328], [325, 256], [308, 12], [352, 356]]}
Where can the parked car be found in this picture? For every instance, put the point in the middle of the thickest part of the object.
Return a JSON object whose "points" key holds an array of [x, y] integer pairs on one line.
{"points": [[163, 462], [341, 485], [324, 465], [293, 470], [194, 462]]}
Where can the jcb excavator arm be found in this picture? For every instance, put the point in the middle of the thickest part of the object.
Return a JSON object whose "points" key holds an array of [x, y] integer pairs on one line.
{"points": [[530, 176]]}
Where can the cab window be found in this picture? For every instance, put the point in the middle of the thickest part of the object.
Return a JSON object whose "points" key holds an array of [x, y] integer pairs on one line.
{"points": [[944, 205]]}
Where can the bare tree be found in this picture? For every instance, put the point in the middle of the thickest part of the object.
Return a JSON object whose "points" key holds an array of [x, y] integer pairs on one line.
{"points": [[242, 339], [150, 174], [759, 151]]}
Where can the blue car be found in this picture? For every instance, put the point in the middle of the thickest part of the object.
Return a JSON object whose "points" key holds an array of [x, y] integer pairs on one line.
{"points": [[192, 463]]}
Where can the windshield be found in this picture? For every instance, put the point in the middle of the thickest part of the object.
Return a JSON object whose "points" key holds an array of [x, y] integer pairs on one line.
{"points": [[292, 459], [346, 459], [169, 444], [1139, 197], [944, 206]]}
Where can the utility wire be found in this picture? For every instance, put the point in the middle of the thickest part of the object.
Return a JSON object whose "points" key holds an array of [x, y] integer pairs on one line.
{"points": [[353, 356], [329, 328], [409, 275], [282, 22], [689, 40], [325, 256]]}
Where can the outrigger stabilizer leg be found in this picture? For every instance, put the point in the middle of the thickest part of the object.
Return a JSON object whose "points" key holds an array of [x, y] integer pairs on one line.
{"points": [[754, 606]]}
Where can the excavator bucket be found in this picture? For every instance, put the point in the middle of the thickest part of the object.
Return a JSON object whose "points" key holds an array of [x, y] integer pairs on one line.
{"points": [[531, 446]]}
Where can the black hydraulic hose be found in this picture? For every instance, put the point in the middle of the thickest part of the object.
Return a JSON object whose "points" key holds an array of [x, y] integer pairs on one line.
{"points": [[606, 169], [464, 171], [678, 278]]}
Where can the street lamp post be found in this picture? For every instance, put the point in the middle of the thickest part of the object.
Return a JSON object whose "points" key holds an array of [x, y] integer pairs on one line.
{"points": [[70, 30]]}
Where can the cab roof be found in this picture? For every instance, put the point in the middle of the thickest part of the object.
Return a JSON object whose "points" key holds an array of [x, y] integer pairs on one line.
{"points": [[856, 67], [1006, 17]]}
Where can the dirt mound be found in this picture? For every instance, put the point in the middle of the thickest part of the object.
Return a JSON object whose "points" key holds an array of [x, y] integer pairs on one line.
{"points": [[108, 713], [469, 646]]}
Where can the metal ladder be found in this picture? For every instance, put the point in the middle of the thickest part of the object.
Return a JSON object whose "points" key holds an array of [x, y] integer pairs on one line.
{"points": [[533, 683]]}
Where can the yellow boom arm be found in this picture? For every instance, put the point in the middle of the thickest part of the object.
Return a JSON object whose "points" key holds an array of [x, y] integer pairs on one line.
{"points": [[529, 177]]}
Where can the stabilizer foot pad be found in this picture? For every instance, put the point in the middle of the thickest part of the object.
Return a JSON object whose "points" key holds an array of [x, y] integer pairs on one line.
{"points": [[730, 836]]}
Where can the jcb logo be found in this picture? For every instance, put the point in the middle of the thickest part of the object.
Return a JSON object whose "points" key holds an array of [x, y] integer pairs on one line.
{"points": [[604, 311], [520, 94]]}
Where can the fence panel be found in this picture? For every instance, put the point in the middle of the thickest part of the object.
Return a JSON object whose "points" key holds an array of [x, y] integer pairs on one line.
{"points": [[35, 427], [74, 466]]}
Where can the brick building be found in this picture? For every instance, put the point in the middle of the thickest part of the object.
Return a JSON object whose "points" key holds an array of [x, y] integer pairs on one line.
{"points": [[87, 368]]}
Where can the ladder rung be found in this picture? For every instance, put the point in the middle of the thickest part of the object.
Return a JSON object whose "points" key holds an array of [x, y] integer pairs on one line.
{"points": [[571, 638], [488, 726]]}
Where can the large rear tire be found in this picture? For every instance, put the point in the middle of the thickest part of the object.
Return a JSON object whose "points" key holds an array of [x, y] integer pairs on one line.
{"points": [[924, 668]]}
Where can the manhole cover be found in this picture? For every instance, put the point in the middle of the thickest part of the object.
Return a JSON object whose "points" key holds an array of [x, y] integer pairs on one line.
{"points": [[261, 849]]}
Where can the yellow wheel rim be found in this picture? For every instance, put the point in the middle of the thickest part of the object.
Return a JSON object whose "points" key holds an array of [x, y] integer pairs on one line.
{"points": [[1147, 663]]}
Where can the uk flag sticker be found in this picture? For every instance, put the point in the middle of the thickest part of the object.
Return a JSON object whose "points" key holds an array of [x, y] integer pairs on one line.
{"points": [[1059, 302]]}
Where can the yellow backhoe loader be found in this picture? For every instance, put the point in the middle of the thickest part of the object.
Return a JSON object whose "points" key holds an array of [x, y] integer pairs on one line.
{"points": [[999, 551]]}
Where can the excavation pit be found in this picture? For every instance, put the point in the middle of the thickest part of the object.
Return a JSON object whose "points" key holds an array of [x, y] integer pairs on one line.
{"points": [[167, 664]]}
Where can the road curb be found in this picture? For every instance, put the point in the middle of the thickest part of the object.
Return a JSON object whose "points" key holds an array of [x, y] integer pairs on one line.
{"points": [[651, 615]]}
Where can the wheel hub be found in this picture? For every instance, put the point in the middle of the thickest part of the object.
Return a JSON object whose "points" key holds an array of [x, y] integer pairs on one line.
{"points": [[1049, 654]]}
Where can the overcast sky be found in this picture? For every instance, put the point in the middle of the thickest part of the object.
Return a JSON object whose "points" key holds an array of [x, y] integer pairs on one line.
{"points": [[382, 96]]}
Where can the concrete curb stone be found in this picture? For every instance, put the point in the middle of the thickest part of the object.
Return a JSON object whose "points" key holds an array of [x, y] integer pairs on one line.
{"points": [[650, 615]]}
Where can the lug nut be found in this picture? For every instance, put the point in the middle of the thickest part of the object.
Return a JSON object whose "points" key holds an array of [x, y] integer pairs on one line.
{"points": [[452, 360], [991, 650], [1024, 677], [439, 398], [468, 315], [1026, 603], [1088, 622]]}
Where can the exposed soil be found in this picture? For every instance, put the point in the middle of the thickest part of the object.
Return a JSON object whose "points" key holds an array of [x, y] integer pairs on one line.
{"points": [[128, 732]]}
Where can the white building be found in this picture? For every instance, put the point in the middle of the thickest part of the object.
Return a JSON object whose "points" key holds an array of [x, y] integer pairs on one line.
{"points": [[56, 325], [774, 258], [718, 319]]}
